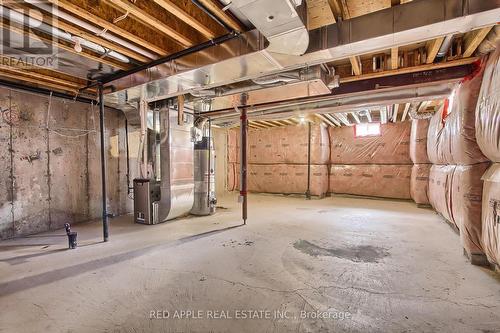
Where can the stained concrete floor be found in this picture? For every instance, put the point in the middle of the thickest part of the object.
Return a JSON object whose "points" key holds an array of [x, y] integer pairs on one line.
{"points": [[363, 265]]}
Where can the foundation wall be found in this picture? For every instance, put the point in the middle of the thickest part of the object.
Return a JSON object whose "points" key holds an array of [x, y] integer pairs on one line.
{"points": [[50, 171]]}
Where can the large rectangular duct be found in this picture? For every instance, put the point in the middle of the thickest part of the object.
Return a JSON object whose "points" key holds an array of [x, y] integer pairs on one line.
{"points": [[250, 58]]}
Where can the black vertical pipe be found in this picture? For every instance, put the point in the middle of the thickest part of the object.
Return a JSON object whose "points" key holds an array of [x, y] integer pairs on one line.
{"points": [[243, 156], [105, 227], [308, 192]]}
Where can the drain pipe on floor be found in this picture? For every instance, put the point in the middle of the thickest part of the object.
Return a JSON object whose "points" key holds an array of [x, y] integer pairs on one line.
{"points": [[105, 227], [308, 192], [243, 156]]}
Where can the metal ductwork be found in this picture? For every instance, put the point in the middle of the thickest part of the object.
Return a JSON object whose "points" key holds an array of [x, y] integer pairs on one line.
{"points": [[166, 187], [249, 58], [279, 21], [338, 104], [307, 82]]}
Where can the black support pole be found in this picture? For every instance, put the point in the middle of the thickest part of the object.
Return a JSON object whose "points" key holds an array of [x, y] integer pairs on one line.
{"points": [[105, 227], [243, 157]]}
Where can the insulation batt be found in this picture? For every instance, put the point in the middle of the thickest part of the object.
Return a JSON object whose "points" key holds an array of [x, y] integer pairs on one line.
{"points": [[233, 147], [491, 214], [281, 178], [488, 110], [282, 145], [419, 184], [288, 144], [452, 137], [418, 141], [387, 181], [440, 180], [391, 147], [466, 202]]}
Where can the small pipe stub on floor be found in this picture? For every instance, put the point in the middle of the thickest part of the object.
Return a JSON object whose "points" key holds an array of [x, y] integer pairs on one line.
{"points": [[71, 236]]}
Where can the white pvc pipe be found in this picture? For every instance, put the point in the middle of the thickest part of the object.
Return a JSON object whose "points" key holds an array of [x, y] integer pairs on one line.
{"points": [[90, 27]]}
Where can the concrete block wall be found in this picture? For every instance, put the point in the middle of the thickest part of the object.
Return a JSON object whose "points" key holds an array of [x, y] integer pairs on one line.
{"points": [[50, 163]]}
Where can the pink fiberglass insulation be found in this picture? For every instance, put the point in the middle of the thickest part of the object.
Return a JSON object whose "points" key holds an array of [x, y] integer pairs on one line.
{"points": [[418, 141], [466, 198], [288, 144], [452, 136], [491, 214], [282, 145], [387, 181], [281, 178], [440, 180], [391, 147], [488, 110], [419, 184]]}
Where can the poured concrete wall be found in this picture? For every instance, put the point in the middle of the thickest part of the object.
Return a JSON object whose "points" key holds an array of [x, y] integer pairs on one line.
{"points": [[50, 170]]}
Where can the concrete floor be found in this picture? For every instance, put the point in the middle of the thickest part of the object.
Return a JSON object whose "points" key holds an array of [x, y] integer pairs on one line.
{"points": [[365, 265]]}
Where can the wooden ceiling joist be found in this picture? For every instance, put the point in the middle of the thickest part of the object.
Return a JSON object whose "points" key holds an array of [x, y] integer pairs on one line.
{"points": [[216, 9], [473, 39], [405, 112], [192, 21], [31, 73], [356, 65], [394, 57], [319, 14], [343, 118], [152, 21], [333, 119], [406, 70], [395, 109], [356, 117], [65, 46], [433, 47], [369, 116], [63, 25], [324, 119], [109, 26]]}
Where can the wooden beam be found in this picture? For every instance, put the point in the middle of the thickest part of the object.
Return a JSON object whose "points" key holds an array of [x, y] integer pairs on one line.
{"points": [[369, 116], [151, 21], [37, 82], [181, 14], [336, 8], [383, 115], [356, 117], [356, 65], [319, 14], [63, 25], [405, 112], [32, 73], [394, 57], [333, 119], [77, 11], [433, 47], [215, 8], [406, 70], [64, 46], [256, 124], [473, 39], [325, 119], [395, 109], [343, 118]]}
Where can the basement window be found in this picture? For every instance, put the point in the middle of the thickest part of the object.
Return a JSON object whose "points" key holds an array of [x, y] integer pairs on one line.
{"points": [[366, 129]]}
